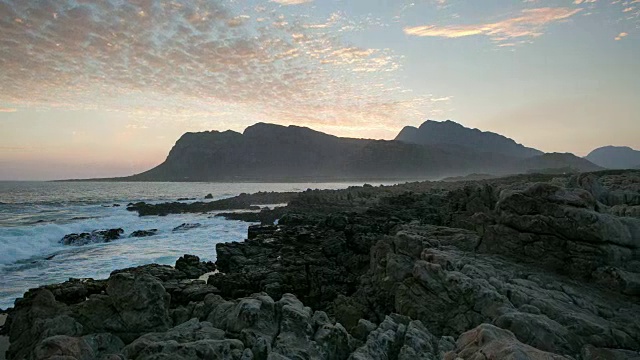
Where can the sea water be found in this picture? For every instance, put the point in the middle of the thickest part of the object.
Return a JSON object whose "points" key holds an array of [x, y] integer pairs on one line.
{"points": [[34, 216]]}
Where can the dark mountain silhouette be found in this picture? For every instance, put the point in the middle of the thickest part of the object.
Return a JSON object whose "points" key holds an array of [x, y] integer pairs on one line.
{"points": [[267, 152], [449, 133], [615, 157]]}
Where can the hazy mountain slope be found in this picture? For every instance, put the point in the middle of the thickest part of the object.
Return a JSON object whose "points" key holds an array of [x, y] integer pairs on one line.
{"points": [[615, 157], [451, 133], [557, 161]]}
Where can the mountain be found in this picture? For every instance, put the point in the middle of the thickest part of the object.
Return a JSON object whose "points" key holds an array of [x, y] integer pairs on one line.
{"points": [[615, 157], [267, 152], [449, 133]]}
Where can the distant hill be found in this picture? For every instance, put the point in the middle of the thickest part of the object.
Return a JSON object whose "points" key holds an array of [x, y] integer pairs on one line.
{"points": [[557, 163], [615, 157], [267, 152], [449, 133]]}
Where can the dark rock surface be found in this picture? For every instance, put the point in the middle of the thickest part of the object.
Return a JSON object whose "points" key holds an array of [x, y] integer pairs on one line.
{"points": [[526, 267], [191, 265], [144, 233], [240, 202], [264, 216], [96, 236], [187, 226]]}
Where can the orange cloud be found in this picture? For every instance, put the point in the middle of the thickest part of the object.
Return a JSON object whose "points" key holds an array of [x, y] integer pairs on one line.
{"points": [[530, 23], [620, 36]]}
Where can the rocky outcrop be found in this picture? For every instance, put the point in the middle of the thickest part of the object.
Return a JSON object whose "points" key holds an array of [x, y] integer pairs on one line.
{"points": [[193, 267], [96, 236], [528, 267], [240, 202]]}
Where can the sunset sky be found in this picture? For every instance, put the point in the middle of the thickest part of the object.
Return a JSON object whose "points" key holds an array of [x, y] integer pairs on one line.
{"points": [[95, 88]]}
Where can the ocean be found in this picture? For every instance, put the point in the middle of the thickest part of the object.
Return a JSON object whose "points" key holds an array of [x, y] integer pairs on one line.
{"points": [[34, 216]]}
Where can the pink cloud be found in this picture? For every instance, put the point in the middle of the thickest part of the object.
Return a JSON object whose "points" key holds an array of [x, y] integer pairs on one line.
{"points": [[529, 23]]}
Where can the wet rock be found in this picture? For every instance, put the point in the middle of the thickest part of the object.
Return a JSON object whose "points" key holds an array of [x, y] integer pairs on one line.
{"points": [[191, 265], [265, 216], [96, 236], [75, 291], [263, 230], [160, 272], [240, 202], [187, 226], [209, 196], [144, 233]]}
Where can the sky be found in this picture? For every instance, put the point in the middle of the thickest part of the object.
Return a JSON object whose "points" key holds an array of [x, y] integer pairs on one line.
{"points": [[98, 88]]}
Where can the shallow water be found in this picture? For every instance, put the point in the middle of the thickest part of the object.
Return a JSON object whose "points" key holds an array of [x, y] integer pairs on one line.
{"points": [[34, 216]]}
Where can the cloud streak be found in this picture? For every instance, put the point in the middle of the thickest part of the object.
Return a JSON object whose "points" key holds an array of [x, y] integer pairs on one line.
{"points": [[529, 23]]}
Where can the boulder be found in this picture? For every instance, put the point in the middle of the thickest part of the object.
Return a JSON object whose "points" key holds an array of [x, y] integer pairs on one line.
{"points": [[144, 233], [192, 267], [96, 236]]}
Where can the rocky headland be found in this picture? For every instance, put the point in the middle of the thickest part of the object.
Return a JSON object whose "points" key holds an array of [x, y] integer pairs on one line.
{"points": [[525, 267]]}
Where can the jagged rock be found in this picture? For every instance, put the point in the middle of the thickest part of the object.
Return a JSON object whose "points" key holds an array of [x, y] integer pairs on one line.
{"points": [[185, 291], [549, 265], [560, 229], [191, 265], [104, 344], [144, 233], [74, 291], [620, 280], [134, 305], [63, 347], [363, 329], [96, 236], [399, 337], [490, 342], [191, 340], [590, 352], [161, 272], [260, 230], [36, 317]]}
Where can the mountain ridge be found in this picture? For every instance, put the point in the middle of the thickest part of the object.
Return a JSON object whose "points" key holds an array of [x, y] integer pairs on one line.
{"points": [[450, 133], [615, 157], [269, 152]]}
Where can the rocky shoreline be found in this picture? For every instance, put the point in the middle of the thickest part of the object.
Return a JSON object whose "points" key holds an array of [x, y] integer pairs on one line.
{"points": [[525, 267]]}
